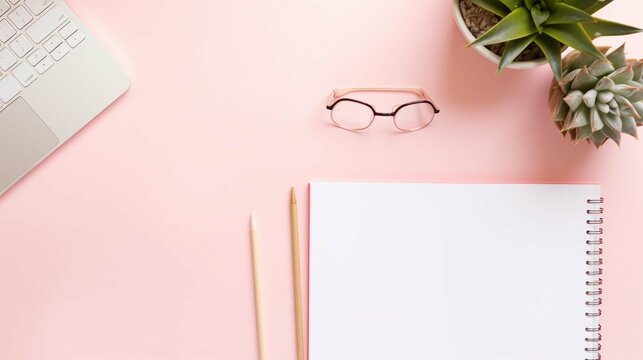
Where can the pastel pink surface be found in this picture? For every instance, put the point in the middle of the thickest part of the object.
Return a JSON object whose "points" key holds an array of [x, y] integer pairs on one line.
{"points": [[131, 241]]}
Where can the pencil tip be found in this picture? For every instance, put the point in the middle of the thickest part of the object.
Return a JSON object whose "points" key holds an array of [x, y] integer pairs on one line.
{"points": [[293, 195]]}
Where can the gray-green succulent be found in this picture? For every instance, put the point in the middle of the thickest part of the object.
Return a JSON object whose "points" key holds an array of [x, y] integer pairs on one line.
{"points": [[598, 99]]}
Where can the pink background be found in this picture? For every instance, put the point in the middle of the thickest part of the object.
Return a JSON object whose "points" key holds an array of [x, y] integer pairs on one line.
{"points": [[131, 241]]}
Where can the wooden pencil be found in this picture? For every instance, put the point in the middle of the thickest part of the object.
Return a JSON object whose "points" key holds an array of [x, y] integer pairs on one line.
{"points": [[257, 288], [296, 270]]}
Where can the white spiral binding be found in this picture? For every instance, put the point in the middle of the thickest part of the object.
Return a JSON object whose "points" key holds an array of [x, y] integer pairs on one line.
{"points": [[594, 281]]}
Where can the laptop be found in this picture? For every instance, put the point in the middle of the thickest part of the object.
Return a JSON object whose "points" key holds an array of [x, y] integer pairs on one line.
{"points": [[54, 79]]}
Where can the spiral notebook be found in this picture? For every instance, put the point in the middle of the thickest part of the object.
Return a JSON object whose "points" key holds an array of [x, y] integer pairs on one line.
{"points": [[454, 272]]}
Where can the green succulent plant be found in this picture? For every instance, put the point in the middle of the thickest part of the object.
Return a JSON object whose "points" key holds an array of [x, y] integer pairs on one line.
{"points": [[551, 24], [597, 100]]}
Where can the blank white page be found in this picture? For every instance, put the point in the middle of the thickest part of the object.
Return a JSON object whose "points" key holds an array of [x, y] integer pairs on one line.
{"points": [[453, 272]]}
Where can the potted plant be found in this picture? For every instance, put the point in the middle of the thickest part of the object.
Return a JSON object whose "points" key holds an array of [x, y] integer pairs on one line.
{"points": [[526, 33], [598, 99]]}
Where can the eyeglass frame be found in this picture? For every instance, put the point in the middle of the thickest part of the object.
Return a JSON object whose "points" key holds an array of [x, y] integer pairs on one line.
{"points": [[337, 96]]}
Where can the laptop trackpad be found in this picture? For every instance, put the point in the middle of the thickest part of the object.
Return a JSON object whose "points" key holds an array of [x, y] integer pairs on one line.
{"points": [[24, 139]]}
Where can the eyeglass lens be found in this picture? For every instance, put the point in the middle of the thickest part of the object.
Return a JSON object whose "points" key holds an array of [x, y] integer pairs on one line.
{"points": [[353, 115]]}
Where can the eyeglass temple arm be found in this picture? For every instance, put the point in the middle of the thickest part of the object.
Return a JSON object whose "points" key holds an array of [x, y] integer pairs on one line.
{"points": [[338, 93]]}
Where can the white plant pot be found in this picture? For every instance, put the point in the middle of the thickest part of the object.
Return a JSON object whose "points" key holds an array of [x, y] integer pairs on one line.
{"points": [[459, 19]]}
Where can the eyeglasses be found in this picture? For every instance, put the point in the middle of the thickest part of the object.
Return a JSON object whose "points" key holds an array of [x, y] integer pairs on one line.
{"points": [[355, 115]]}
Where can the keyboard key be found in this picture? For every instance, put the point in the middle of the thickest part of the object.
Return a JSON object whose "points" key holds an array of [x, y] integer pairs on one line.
{"points": [[6, 30], [8, 88], [76, 38], [36, 56], [20, 17], [52, 43], [60, 52], [7, 60], [46, 24], [21, 45], [44, 65], [69, 29], [24, 74], [4, 7], [37, 6]]}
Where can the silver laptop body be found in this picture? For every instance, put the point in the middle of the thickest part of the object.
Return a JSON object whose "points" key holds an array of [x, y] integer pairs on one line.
{"points": [[55, 78]]}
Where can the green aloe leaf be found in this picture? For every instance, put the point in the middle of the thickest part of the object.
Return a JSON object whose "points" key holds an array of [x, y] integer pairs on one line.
{"points": [[513, 49], [512, 4], [539, 16], [551, 3], [551, 49], [495, 6], [565, 14], [601, 27], [597, 6], [575, 36], [516, 25]]}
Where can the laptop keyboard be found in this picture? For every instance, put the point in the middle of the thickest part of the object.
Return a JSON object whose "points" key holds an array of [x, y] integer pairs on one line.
{"points": [[34, 35]]}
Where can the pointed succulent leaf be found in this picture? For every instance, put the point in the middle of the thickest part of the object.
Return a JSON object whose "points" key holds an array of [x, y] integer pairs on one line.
{"points": [[598, 138], [566, 14], [612, 134], [624, 90], [580, 118], [617, 57], [583, 133], [494, 6], [637, 96], [512, 4], [626, 106], [605, 84], [639, 108], [637, 67], [622, 75], [585, 60], [574, 99], [600, 68], [513, 49], [574, 35], [565, 83], [613, 121], [605, 97], [601, 27], [559, 111], [584, 80], [595, 120], [570, 59], [551, 49], [516, 25], [566, 125], [629, 126], [590, 98], [539, 16]]}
